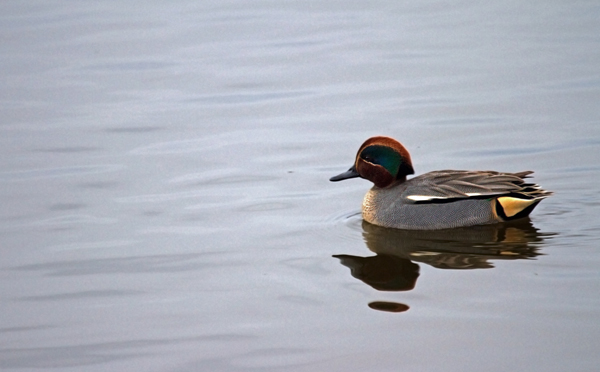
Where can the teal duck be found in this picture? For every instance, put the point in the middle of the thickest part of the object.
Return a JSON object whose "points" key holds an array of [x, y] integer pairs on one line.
{"points": [[439, 199]]}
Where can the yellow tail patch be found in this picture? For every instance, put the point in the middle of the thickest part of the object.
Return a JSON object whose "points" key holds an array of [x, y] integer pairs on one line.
{"points": [[512, 206]]}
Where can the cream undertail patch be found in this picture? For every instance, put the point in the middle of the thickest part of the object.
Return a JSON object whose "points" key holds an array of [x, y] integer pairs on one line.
{"points": [[512, 206]]}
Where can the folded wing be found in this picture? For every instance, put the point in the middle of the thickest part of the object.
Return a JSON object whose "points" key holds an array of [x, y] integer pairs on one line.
{"points": [[452, 185]]}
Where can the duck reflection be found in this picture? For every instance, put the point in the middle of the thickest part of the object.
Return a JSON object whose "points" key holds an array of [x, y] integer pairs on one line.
{"points": [[383, 272], [394, 267]]}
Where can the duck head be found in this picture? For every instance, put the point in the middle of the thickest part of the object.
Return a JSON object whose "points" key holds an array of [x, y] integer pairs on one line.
{"points": [[381, 160]]}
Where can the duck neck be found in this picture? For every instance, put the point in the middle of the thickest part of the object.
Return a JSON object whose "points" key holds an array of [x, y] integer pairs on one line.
{"points": [[393, 184]]}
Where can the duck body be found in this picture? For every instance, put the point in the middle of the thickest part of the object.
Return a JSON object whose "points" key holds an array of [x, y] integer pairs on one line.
{"points": [[440, 199]]}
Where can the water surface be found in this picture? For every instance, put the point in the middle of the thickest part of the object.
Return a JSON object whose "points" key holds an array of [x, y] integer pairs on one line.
{"points": [[165, 198]]}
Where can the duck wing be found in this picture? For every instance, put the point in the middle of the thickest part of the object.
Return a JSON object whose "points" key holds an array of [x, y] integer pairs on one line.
{"points": [[452, 185]]}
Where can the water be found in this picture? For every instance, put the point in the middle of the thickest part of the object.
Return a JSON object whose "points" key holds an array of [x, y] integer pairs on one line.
{"points": [[165, 198]]}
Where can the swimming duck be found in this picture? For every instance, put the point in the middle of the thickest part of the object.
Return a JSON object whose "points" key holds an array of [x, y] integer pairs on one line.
{"points": [[439, 199]]}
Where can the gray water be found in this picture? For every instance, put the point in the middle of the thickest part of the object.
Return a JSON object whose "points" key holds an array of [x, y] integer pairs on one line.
{"points": [[166, 206]]}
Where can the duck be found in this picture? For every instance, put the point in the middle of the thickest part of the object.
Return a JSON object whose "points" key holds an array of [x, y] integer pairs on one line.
{"points": [[443, 199]]}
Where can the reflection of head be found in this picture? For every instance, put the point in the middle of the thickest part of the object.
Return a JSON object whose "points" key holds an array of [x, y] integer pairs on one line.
{"points": [[391, 307], [382, 272]]}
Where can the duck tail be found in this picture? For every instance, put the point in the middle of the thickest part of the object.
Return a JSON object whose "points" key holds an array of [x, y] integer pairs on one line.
{"points": [[520, 204]]}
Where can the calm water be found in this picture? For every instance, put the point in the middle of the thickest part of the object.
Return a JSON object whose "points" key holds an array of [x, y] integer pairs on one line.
{"points": [[165, 198]]}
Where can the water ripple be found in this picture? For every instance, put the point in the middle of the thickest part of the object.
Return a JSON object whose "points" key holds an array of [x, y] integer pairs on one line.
{"points": [[350, 219], [238, 98], [58, 172]]}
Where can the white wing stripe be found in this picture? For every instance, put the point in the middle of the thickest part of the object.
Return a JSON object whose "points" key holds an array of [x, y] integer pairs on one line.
{"points": [[424, 197], [431, 197]]}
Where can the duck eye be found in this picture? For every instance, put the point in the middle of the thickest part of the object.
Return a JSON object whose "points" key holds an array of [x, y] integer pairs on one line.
{"points": [[368, 158]]}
